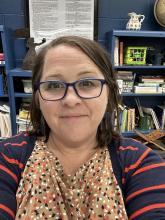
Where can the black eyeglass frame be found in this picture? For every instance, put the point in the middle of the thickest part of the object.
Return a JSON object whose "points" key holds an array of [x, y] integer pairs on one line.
{"points": [[37, 87]]}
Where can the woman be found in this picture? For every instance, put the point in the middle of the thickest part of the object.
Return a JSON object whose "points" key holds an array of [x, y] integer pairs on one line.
{"points": [[64, 168]]}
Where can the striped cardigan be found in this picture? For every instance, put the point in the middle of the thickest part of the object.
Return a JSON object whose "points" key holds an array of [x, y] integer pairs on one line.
{"points": [[141, 172]]}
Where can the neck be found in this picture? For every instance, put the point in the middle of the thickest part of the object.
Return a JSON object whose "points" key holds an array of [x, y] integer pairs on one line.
{"points": [[58, 144], [73, 155]]}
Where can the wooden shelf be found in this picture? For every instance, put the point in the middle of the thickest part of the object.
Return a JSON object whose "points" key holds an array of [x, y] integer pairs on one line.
{"points": [[20, 72], [127, 33], [133, 67], [22, 95]]}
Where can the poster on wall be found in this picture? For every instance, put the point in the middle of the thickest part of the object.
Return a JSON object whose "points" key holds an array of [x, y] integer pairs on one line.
{"points": [[53, 18]]}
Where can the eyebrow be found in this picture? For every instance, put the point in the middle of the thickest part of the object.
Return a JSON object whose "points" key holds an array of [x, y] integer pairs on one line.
{"points": [[58, 75]]}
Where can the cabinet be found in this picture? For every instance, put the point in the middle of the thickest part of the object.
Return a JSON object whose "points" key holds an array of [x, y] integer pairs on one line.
{"points": [[6, 61], [13, 75], [153, 42], [17, 94]]}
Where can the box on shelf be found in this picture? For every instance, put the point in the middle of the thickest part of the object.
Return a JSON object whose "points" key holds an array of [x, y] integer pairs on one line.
{"points": [[135, 55], [27, 84]]}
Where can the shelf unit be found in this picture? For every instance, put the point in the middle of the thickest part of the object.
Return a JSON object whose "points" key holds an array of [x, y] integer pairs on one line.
{"points": [[6, 48], [135, 38], [16, 72], [154, 39], [7, 37]]}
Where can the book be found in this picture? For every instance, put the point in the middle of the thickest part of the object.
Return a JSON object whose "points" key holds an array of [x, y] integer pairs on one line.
{"points": [[125, 81], [124, 120], [149, 84], [125, 75], [116, 52], [147, 89], [152, 78], [121, 51], [120, 85]]}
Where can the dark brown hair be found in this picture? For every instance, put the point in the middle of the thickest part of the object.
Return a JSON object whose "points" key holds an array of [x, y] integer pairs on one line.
{"points": [[102, 59]]}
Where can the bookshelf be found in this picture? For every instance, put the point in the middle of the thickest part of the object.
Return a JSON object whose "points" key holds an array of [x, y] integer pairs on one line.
{"points": [[143, 54], [5, 62], [15, 92]]}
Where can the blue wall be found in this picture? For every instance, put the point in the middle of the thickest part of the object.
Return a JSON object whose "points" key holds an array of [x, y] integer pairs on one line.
{"points": [[12, 15], [112, 14]]}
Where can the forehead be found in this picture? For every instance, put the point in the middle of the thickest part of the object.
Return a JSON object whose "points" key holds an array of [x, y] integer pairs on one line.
{"points": [[65, 53], [68, 61]]}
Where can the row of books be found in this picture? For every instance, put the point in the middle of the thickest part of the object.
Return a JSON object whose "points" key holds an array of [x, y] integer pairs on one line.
{"points": [[127, 119], [141, 117], [125, 54], [23, 118], [118, 52], [144, 84], [150, 84]]}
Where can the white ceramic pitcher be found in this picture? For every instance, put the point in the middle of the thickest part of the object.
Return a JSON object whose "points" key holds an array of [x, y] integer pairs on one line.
{"points": [[135, 21]]}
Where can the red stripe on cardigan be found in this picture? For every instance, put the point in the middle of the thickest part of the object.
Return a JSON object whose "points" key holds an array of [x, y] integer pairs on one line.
{"points": [[141, 158], [6, 209], [16, 144], [149, 167], [9, 172], [146, 209], [128, 148], [138, 192], [12, 161]]}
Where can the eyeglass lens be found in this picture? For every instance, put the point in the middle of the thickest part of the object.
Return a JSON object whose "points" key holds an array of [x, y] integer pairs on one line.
{"points": [[86, 88]]}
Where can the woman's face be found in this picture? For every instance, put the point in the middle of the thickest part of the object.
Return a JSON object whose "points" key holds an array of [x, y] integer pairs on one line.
{"points": [[72, 120]]}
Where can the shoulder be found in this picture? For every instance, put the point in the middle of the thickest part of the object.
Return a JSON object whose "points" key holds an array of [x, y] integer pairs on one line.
{"points": [[134, 152], [143, 179], [19, 146], [139, 161], [134, 157], [14, 153]]}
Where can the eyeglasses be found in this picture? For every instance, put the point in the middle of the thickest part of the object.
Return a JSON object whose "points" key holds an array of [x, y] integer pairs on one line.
{"points": [[54, 90]]}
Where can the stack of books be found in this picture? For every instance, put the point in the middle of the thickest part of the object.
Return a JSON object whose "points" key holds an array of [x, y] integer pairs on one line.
{"points": [[125, 80], [23, 118], [150, 84]]}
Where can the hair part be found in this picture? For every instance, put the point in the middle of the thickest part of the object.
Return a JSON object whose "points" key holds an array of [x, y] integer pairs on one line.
{"points": [[102, 60]]}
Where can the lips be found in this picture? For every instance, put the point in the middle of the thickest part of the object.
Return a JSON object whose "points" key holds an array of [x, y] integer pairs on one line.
{"points": [[72, 116]]}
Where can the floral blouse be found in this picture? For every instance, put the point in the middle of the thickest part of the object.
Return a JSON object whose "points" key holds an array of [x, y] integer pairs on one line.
{"points": [[46, 192]]}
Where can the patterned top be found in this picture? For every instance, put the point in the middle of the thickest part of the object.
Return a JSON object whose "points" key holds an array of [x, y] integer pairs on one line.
{"points": [[141, 169], [46, 192]]}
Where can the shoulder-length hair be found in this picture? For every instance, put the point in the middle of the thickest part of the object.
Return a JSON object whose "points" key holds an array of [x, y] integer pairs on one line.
{"points": [[102, 59]]}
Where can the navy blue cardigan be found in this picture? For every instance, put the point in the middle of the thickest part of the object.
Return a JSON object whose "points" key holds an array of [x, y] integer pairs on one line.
{"points": [[139, 171]]}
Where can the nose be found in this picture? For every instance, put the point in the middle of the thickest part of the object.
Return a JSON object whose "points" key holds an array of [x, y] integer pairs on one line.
{"points": [[71, 98]]}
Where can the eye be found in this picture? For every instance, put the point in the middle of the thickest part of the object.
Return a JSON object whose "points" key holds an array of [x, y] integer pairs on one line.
{"points": [[54, 85], [87, 84]]}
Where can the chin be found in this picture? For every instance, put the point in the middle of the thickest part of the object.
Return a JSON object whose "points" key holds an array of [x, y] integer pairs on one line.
{"points": [[76, 137]]}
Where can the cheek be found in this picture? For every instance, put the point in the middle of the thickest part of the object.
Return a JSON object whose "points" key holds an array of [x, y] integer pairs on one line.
{"points": [[99, 107], [47, 108]]}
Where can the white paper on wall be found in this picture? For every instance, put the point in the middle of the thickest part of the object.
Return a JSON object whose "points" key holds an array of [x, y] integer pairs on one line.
{"points": [[52, 18]]}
